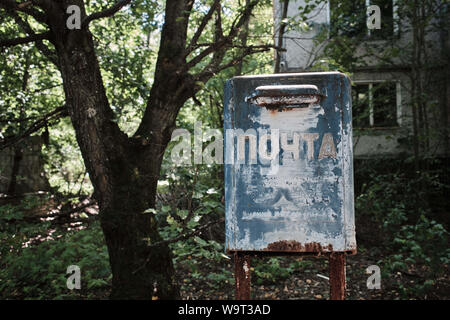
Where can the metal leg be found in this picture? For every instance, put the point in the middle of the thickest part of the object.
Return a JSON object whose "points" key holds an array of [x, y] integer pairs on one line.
{"points": [[242, 276], [337, 276]]}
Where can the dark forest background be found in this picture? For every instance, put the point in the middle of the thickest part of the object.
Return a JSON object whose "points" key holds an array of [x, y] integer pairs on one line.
{"points": [[86, 178]]}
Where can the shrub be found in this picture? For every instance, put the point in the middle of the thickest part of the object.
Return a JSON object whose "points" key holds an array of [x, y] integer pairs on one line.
{"points": [[39, 271]]}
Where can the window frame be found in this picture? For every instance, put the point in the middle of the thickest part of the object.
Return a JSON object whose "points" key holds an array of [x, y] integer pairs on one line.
{"points": [[398, 102]]}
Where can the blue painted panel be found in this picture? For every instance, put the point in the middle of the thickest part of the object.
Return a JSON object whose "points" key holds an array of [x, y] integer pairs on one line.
{"points": [[288, 163]]}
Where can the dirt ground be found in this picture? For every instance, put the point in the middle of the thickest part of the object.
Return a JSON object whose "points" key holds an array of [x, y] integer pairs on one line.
{"points": [[308, 282]]}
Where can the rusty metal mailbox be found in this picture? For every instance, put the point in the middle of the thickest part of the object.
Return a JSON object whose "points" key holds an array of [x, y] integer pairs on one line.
{"points": [[288, 164]]}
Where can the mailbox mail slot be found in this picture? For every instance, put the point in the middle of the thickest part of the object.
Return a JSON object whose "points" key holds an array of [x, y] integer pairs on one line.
{"points": [[288, 163], [290, 95]]}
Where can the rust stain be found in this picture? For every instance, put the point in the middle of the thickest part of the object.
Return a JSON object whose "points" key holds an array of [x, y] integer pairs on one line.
{"points": [[242, 275], [281, 100], [337, 275], [295, 246], [352, 250]]}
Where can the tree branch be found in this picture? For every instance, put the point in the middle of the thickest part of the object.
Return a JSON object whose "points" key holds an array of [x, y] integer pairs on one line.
{"points": [[12, 6], [281, 33], [239, 21], [212, 69], [70, 211], [179, 238], [59, 214], [55, 114], [105, 13], [39, 44], [226, 41], [31, 38], [202, 26], [171, 59]]}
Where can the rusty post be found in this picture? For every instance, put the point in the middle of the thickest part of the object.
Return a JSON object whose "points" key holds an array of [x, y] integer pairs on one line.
{"points": [[337, 275], [242, 276]]}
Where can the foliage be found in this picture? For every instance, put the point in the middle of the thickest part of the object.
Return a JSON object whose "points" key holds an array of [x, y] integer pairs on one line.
{"points": [[413, 241], [275, 269], [202, 193], [424, 244], [35, 257], [64, 165], [194, 194]]}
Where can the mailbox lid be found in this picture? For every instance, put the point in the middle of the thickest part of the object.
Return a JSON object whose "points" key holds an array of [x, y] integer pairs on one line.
{"points": [[307, 205]]}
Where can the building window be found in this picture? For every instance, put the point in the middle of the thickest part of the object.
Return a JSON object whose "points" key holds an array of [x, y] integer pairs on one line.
{"points": [[376, 104], [387, 20], [349, 18]]}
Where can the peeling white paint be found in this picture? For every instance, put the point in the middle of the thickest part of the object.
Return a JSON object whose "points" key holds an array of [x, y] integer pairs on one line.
{"points": [[307, 199], [246, 268], [298, 119]]}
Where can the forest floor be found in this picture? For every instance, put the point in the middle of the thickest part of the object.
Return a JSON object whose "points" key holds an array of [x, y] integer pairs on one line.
{"points": [[309, 281], [209, 280], [280, 278]]}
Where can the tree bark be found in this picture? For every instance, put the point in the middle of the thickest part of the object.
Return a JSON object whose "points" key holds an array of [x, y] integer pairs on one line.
{"points": [[285, 5], [124, 171], [124, 179]]}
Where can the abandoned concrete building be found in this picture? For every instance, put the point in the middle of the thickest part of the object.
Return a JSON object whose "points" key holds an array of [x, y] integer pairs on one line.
{"points": [[382, 106], [22, 168]]}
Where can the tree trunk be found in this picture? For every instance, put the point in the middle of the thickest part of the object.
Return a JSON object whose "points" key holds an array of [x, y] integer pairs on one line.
{"points": [[139, 271], [124, 171]]}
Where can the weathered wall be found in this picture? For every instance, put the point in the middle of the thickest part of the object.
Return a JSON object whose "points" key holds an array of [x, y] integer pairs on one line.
{"points": [[301, 53], [30, 175]]}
